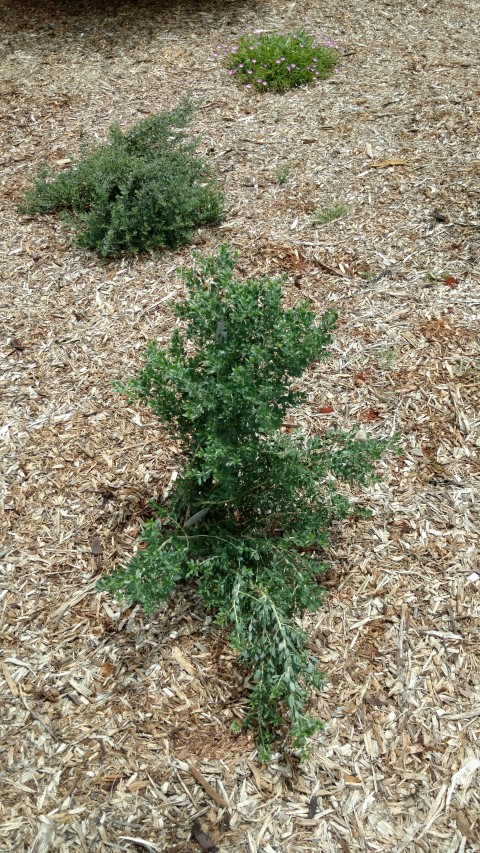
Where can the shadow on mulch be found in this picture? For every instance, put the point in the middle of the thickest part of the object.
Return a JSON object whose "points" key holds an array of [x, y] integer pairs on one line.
{"points": [[85, 17]]}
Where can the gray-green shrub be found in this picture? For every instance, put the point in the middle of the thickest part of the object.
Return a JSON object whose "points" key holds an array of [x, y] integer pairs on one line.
{"points": [[144, 189]]}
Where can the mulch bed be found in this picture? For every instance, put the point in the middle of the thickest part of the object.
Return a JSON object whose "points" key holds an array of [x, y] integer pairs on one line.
{"points": [[116, 727]]}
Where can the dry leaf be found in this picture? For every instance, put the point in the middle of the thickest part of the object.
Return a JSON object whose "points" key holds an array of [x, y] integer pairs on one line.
{"points": [[382, 164], [325, 410], [351, 780], [106, 670], [369, 415], [450, 281]]}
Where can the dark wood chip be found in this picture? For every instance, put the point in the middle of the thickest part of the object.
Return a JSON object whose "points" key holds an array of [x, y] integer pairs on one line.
{"points": [[224, 822], [96, 547], [313, 806], [440, 215], [16, 344], [202, 839]]}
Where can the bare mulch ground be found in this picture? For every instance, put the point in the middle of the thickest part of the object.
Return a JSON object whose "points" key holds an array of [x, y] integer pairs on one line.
{"points": [[117, 727]]}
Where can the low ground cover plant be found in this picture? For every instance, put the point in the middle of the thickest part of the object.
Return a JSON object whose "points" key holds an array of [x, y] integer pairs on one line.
{"points": [[283, 175], [329, 213], [276, 62], [144, 189], [248, 518]]}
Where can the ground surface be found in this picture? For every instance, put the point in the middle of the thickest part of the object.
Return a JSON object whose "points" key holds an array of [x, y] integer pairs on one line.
{"points": [[108, 717]]}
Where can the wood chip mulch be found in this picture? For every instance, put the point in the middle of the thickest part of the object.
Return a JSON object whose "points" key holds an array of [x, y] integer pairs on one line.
{"points": [[117, 727]]}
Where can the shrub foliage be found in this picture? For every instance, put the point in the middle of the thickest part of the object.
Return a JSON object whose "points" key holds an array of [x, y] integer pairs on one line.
{"points": [[248, 519], [276, 62], [142, 190]]}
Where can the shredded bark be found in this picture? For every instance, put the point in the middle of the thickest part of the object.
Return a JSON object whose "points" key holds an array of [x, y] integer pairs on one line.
{"points": [[106, 710]]}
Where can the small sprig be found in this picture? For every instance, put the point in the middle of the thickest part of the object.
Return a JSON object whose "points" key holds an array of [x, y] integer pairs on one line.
{"points": [[329, 214]]}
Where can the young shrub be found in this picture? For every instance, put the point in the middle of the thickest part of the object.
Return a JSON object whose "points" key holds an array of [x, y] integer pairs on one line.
{"points": [[248, 518], [276, 62], [144, 189]]}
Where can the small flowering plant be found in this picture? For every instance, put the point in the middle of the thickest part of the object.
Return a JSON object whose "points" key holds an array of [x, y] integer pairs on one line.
{"points": [[277, 62]]}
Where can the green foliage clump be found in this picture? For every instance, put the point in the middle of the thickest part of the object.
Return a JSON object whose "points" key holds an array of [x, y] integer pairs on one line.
{"points": [[283, 175], [276, 62], [329, 214], [248, 518], [144, 189]]}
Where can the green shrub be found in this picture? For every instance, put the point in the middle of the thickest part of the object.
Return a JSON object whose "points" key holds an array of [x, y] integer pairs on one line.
{"points": [[248, 519], [144, 189], [275, 62]]}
